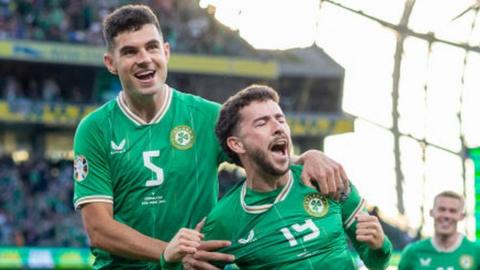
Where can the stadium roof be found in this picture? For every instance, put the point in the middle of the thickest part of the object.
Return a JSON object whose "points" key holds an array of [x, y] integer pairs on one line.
{"points": [[308, 62]]}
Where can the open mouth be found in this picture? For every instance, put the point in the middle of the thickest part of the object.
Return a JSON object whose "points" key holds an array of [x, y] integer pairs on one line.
{"points": [[279, 147], [145, 75], [444, 223]]}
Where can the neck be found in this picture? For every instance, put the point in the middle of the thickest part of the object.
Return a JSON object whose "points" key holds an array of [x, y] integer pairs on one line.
{"points": [[146, 107], [446, 241], [260, 181]]}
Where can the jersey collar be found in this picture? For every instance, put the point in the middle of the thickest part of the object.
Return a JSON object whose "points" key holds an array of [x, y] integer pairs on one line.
{"points": [[451, 249], [258, 209], [138, 120]]}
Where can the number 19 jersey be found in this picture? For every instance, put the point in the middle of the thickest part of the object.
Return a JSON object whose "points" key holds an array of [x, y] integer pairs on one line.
{"points": [[159, 176], [301, 229]]}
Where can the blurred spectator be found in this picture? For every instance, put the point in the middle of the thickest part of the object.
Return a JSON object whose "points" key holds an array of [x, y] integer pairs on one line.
{"points": [[12, 89], [36, 205], [76, 94], [398, 237], [50, 90], [227, 179], [187, 27]]}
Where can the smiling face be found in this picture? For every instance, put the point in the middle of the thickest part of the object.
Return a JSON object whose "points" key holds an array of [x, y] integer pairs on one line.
{"points": [[140, 59], [446, 213], [264, 138]]}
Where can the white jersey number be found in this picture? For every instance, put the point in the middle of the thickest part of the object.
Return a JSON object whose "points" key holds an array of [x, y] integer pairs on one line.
{"points": [[309, 225], [147, 161]]}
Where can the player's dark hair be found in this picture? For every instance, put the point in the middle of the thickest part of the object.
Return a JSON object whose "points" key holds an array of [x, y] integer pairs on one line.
{"points": [[230, 116], [450, 194], [127, 18]]}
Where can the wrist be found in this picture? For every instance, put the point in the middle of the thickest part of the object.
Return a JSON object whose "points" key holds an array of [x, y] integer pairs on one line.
{"points": [[164, 264], [294, 159]]}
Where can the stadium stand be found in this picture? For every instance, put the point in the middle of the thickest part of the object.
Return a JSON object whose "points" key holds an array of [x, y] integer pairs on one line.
{"points": [[36, 205], [186, 27]]}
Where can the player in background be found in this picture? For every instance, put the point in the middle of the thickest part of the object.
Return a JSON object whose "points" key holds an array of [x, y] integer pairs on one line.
{"points": [[145, 164], [447, 249], [272, 219]]}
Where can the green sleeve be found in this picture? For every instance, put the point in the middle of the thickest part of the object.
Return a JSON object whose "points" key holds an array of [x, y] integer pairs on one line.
{"points": [[373, 259], [406, 260], [91, 169]]}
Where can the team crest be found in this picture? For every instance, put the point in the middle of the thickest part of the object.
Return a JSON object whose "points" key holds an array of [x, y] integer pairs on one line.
{"points": [[315, 204], [466, 261], [80, 168], [182, 137]]}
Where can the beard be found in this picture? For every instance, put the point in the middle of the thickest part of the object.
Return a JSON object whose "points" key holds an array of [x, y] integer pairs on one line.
{"points": [[260, 158]]}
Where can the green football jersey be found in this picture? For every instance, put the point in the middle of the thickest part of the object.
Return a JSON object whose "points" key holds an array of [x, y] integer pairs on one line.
{"points": [[293, 227], [426, 255], [159, 176]]}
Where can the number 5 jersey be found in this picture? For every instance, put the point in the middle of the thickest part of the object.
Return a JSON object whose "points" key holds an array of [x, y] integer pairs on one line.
{"points": [[159, 176]]}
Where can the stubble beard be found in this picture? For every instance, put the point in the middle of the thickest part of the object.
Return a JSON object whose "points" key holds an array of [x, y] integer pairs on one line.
{"points": [[260, 158]]}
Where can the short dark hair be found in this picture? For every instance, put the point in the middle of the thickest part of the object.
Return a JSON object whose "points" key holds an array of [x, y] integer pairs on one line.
{"points": [[450, 194], [230, 117], [127, 18]]}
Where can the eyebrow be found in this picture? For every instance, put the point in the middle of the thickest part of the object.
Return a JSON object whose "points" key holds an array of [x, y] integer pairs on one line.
{"points": [[127, 48], [130, 47], [266, 117]]}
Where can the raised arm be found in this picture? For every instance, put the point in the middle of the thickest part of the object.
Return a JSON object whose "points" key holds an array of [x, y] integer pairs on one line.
{"points": [[365, 232]]}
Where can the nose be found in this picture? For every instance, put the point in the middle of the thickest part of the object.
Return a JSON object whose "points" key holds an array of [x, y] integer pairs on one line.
{"points": [[143, 57], [279, 127]]}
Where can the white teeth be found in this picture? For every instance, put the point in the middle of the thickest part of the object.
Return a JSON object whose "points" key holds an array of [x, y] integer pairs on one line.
{"points": [[144, 73], [279, 146]]}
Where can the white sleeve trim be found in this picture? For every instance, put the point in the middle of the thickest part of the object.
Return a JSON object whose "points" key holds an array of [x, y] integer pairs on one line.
{"points": [[351, 218], [90, 199]]}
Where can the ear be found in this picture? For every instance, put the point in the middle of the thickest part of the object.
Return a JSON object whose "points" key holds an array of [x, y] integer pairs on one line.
{"points": [[108, 61], [166, 50], [431, 212], [235, 145]]}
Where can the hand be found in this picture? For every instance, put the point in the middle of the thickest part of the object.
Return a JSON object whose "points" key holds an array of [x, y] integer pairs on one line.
{"points": [[205, 253], [185, 242], [369, 230], [325, 172]]}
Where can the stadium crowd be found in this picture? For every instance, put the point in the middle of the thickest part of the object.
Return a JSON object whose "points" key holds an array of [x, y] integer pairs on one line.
{"points": [[36, 206], [186, 27], [48, 90]]}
